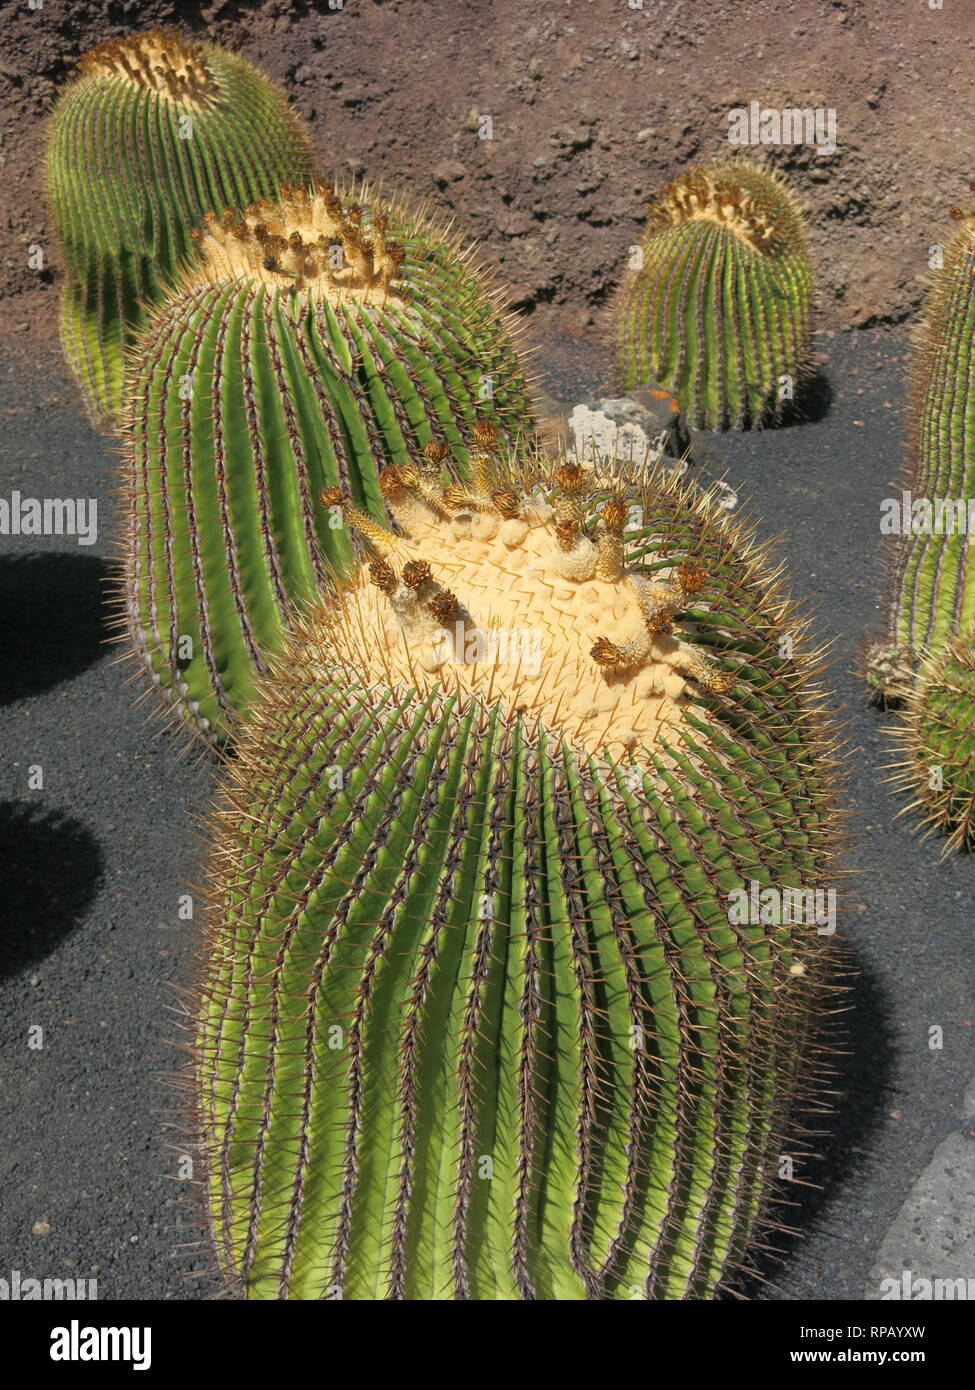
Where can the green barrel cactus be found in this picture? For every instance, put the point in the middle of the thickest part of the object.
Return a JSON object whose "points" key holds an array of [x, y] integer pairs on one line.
{"points": [[155, 131], [936, 731], [719, 305], [488, 1007], [932, 596], [923, 662], [314, 342]]}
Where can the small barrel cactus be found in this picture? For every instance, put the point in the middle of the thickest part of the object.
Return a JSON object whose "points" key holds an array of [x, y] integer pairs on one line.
{"points": [[719, 307], [924, 661], [483, 1013], [155, 131], [936, 730], [315, 341]]}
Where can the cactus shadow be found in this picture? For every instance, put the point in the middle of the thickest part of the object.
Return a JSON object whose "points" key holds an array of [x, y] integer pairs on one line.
{"points": [[812, 403], [50, 869], [53, 623], [862, 1044]]}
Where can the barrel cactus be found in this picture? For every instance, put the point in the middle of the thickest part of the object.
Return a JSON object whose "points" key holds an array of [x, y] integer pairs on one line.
{"points": [[933, 592], [719, 305], [155, 131], [923, 662], [481, 1015], [936, 728], [315, 341]]}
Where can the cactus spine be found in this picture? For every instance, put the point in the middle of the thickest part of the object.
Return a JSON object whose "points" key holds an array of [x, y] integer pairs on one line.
{"points": [[316, 341], [925, 660], [477, 1020], [155, 131], [720, 308]]}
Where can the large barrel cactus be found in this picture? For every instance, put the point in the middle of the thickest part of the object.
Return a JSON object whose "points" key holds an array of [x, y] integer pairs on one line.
{"points": [[315, 341], [489, 1007], [719, 305], [155, 131], [924, 661]]}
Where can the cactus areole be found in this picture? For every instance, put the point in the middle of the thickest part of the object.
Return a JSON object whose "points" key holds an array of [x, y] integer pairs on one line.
{"points": [[476, 1019]]}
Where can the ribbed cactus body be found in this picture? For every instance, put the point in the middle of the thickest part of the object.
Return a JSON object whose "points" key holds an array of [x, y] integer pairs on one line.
{"points": [[478, 1020], [933, 594], [938, 733], [272, 374], [155, 132], [924, 661], [720, 307]]}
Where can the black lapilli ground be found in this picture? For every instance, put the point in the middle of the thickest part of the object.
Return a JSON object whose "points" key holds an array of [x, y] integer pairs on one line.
{"points": [[93, 863]]}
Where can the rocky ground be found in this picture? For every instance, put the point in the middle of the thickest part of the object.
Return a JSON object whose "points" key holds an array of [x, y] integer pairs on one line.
{"points": [[594, 104], [93, 863]]}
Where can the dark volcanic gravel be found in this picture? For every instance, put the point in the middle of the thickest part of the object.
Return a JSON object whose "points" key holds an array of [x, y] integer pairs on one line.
{"points": [[92, 865]]}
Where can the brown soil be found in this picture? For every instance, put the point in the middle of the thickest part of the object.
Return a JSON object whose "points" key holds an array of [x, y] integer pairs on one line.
{"points": [[594, 105]]}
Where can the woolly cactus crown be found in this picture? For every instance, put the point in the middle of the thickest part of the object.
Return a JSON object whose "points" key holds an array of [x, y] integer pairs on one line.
{"points": [[753, 204], [600, 662], [307, 241]]}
